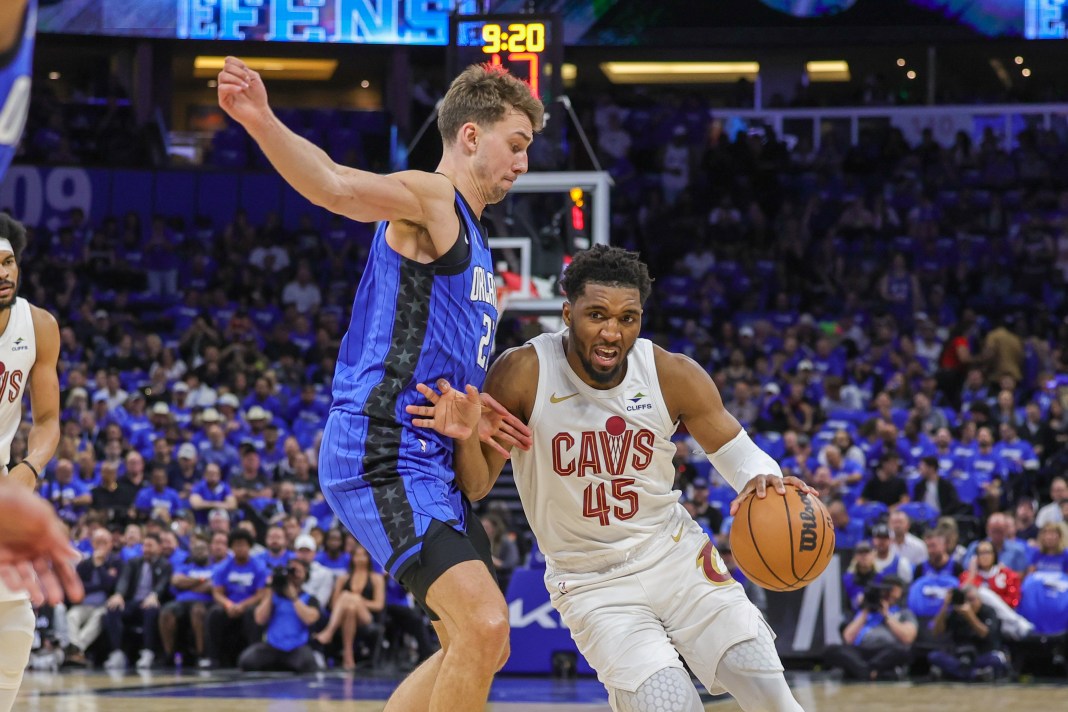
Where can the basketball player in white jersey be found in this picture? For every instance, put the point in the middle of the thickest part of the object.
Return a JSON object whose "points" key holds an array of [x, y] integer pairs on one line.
{"points": [[635, 579], [29, 350]]}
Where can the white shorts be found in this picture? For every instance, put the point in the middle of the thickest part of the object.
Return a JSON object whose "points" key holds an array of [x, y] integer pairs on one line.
{"points": [[673, 597]]}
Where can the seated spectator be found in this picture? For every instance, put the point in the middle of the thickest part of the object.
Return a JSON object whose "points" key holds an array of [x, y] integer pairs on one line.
{"points": [[287, 613], [99, 573], [158, 499], [999, 588], [1051, 554], [185, 472], [938, 561], [887, 561], [935, 490], [709, 517], [275, 552], [357, 597], [878, 640], [237, 585], [211, 494], [859, 574], [113, 496], [68, 494], [1026, 529], [503, 548], [887, 486], [191, 586], [847, 531], [320, 580], [975, 634], [1051, 513], [904, 542], [403, 618], [142, 584], [1011, 553], [333, 555]]}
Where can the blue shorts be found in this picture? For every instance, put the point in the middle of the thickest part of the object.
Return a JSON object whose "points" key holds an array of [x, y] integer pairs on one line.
{"points": [[385, 491]]}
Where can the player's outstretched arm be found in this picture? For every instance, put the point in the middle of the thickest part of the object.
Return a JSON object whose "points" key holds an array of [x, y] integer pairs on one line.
{"points": [[693, 398], [44, 401], [484, 443], [412, 196], [11, 14]]}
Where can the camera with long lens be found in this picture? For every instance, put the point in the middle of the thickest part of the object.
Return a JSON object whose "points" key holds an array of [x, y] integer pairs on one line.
{"points": [[279, 579], [873, 597]]}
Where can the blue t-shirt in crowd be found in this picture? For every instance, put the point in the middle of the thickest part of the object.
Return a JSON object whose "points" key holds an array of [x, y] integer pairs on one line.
{"points": [[1050, 562], [341, 563], [286, 631], [269, 561], [149, 499], [239, 581], [197, 571]]}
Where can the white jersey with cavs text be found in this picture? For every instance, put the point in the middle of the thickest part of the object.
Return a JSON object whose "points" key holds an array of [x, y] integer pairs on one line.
{"points": [[18, 352], [598, 480]]}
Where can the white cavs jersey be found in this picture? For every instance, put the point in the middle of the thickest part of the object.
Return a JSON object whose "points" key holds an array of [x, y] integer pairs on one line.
{"points": [[600, 457], [18, 352]]}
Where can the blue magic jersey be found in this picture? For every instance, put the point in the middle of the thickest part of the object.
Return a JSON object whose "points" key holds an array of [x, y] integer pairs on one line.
{"points": [[16, 65], [411, 323]]}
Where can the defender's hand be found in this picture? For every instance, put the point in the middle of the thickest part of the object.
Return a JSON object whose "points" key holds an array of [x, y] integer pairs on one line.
{"points": [[241, 92], [452, 413]]}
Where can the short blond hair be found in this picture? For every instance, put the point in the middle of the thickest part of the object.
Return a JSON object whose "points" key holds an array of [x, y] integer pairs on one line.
{"points": [[483, 94]]}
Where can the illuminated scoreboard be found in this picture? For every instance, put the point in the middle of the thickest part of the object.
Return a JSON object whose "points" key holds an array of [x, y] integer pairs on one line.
{"points": [[528, 46], [1045, 19]]}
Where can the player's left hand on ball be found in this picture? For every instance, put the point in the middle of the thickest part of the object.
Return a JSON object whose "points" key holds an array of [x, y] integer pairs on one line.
{"points": [[759, 486]]}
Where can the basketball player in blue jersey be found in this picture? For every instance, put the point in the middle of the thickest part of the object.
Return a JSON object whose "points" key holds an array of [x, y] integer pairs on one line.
{"points": [[18, 25], [425, 309]]}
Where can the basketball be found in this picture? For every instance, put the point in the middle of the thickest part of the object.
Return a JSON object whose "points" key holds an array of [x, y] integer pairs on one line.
{"points": [[782, 542]]}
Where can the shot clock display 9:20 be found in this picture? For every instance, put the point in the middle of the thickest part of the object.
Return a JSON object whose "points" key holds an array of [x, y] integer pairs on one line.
{"points": [[528, 46]]}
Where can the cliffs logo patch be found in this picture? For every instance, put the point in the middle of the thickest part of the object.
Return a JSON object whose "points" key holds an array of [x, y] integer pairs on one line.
{"points": [[20, 345], [636, 403]]}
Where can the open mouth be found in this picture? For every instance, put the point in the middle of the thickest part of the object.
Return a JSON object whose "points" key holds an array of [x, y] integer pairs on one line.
{"points": [[605, 356]]}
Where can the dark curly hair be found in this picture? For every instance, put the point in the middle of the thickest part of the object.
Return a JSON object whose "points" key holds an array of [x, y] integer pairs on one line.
{"points": [[611, 266], [13, 231]]}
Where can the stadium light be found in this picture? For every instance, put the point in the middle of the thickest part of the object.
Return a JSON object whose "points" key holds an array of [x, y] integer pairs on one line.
{"points": [[205, 66], [828, 71], [679, 72]]}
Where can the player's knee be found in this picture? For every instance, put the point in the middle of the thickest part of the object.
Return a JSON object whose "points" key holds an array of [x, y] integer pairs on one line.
{"points": [[666, 690], [487, 641], [505, 653]]}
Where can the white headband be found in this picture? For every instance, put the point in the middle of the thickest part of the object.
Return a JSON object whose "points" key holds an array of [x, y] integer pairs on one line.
{"points": [[5, 245]]}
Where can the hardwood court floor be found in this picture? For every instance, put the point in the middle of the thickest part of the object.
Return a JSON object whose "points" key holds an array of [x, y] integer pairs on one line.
{"points": [[333, 692]]}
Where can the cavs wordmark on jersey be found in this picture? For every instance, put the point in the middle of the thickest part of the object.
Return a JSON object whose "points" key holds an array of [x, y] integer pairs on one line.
{"points": [[18, 352], [604, 454]]}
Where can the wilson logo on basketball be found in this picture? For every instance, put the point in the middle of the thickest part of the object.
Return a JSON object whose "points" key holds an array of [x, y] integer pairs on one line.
{"points": [[808, 539], [10, 383], [610, 451]]}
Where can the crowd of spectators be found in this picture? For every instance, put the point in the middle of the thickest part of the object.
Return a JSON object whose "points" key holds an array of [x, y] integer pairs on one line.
{"points": [[885, 319]]}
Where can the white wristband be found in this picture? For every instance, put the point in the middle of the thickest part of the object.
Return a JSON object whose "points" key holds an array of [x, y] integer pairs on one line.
{"points": [[740, 460]]}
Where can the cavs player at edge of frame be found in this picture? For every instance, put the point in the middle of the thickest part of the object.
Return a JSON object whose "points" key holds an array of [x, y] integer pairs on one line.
{"points": [[597, 489]]}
